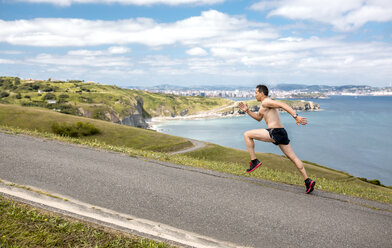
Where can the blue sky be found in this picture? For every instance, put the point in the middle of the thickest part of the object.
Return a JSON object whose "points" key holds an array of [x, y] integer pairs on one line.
{"points": [[198, 42]]}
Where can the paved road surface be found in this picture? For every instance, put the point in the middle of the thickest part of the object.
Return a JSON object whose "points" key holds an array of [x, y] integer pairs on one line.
{"points": [[239, 210], [196, 145]]}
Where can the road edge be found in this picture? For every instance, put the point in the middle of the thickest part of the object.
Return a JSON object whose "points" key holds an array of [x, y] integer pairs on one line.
{"points": [[73, 208]]}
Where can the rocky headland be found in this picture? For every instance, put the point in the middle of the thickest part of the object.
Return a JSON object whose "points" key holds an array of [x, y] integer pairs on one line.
{"points": [[254, 107], [233, 110]]}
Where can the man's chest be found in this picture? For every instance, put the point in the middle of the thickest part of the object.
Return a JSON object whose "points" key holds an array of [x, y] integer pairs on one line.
{"points": [[264, 111]]}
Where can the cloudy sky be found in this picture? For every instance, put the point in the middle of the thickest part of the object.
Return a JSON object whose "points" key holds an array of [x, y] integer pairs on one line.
{"points": [[198, 42]]}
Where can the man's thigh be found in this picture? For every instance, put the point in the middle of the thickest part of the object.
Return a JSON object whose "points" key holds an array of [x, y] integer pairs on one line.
{"points": [[259, 134]]}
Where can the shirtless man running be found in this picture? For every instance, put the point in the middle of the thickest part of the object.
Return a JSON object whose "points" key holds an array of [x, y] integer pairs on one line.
{"points": [[275, 132]]}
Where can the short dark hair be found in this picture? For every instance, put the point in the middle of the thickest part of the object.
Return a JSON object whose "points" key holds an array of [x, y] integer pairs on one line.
{"points": [[262, 88]]}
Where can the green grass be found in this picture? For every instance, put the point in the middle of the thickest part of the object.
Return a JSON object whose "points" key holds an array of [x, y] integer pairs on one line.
{"points": [[280, 169], [24, 226], [113, 134]]}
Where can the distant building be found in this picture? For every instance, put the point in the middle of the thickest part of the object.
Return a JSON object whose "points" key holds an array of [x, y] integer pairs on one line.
{"points": [[52, 101]]}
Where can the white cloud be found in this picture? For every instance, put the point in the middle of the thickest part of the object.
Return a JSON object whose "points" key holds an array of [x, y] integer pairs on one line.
{"points": [[80, 58], [197, 51], [121, 71], [210, 26], [344, 15], [110, 51], [220, 46], [160, 61], [7, 61], [65, 3], [85, 53], [10, 52], [118, 50]]}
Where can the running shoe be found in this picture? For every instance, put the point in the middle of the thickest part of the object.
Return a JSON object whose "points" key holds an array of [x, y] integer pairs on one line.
{"points": [[309, 183], [253, 166]]}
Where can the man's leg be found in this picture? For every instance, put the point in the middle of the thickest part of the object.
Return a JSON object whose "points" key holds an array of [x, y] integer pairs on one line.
{"points": [[288, 151], [258, 134]]}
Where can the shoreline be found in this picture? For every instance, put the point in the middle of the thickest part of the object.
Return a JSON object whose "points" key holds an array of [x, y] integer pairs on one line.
{"points": [[161, 119], [235, 112], [155, 121]]}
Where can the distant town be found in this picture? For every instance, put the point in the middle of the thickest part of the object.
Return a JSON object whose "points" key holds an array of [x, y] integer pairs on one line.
{"points": [[280, 91]]}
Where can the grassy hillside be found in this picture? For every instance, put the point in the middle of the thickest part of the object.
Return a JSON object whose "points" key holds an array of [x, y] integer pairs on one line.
{"points": [[111, 133], [218, 153], [99, 101]]}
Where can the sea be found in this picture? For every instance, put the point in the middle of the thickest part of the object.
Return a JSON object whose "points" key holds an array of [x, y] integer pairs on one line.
{"points": [[349, 133]]}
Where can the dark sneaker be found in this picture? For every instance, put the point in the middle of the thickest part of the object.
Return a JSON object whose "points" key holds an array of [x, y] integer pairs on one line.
{"points": [[309, 183], [253, 166]]}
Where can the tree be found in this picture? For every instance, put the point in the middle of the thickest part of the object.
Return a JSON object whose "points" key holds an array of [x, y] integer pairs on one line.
{"points": [[17, 81]]}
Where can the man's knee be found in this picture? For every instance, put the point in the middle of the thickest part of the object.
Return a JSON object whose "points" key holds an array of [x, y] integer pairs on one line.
{"points": [[247, 135]]}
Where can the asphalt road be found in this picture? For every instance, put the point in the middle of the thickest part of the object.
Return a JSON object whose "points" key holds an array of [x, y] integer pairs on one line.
{"points": [[196, 145], [239, 210]]}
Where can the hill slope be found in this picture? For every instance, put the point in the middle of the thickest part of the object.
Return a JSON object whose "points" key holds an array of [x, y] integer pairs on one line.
{"points": [[113, 134], [104, 102]]}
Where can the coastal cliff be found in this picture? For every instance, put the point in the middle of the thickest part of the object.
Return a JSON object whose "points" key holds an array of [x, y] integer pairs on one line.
{"points": [[134, 115]]}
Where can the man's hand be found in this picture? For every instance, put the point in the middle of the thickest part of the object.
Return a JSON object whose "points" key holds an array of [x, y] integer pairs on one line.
{"points": [[243, 106], [301, 120]]}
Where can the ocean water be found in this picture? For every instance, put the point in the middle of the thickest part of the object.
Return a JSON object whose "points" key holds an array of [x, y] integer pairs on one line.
{"points": [[351, 134]]}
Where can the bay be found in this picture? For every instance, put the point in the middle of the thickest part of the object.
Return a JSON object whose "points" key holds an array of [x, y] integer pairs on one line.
{"points": [[351, 134]]}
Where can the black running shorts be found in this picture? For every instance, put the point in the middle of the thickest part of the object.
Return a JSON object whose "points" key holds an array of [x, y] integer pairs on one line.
{"points": [[279, 135]]}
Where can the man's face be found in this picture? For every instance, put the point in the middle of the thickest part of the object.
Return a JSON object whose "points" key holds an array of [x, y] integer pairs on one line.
{"points": [[258, 95]]}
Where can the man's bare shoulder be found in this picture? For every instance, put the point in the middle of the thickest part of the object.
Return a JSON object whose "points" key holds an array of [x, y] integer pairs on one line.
{"points": [[269, 103]]}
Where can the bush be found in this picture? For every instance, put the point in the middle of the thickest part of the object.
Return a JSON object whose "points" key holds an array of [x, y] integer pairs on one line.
{"points": [[4, 94], [374, 181], [49, 96], [18, 96], [47, 89], [66, 109], [17, 81], [35, 86], [75, 130], [64, 96]]}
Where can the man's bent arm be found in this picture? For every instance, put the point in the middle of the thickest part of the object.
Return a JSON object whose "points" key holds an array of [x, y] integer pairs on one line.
{"points": [[244, 107], [275, 104], [255, 115]]}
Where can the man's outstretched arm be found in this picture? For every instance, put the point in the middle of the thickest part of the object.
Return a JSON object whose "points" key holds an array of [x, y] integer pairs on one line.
{"points": [[269, 103], [244, 107]]}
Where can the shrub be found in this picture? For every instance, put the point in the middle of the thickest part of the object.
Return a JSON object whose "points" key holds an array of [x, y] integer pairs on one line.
{"points": [[35, 86], [374, 181], [49, 96], [17, 81], [67, 109], [4, 94], [64, 96], [47, 89], [18, 96], [75, 130]]}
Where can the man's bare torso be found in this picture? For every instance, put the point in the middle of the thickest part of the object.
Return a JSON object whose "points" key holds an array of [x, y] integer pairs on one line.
{"points": [[270, 115]]}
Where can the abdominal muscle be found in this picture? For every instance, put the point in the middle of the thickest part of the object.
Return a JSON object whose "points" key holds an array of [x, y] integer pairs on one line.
{"points": [[272, 118]]}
